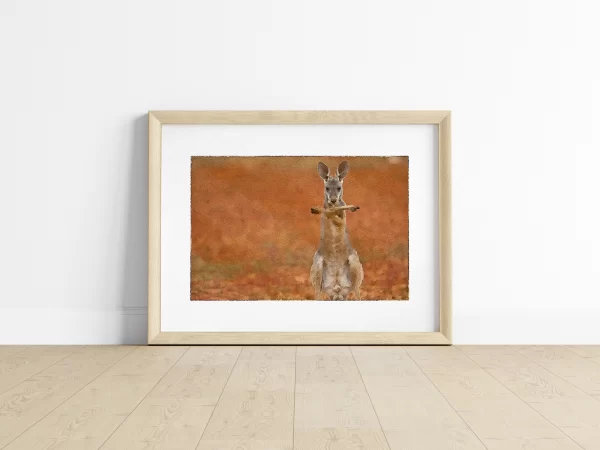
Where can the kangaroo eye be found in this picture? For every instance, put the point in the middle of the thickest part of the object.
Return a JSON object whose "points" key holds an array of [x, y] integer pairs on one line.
{"points": [[327, 189], [339, 189]]}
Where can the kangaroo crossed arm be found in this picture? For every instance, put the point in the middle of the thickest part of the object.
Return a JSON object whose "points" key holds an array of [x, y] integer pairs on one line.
{"points": [[333, 210]]}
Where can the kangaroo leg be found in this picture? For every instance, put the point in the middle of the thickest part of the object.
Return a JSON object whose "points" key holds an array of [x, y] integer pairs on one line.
{"points": [[356, 273], [316, 274]]}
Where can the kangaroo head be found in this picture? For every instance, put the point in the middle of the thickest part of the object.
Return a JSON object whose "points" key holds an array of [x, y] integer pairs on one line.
{"points": [[334, 185]]}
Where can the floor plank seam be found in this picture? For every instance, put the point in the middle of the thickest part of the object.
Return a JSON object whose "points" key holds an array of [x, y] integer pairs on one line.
{"points": [[522, 400], [369, 397], [143, 398], [67, 399], [220, 395], [444, 397], [553, 373], [40, 371]]}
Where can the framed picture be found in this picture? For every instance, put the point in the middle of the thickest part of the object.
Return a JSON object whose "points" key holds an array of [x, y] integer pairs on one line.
{"points": [[299, 227]]}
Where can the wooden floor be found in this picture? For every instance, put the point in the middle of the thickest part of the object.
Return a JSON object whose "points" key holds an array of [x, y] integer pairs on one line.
{"points": [[314, 398]]}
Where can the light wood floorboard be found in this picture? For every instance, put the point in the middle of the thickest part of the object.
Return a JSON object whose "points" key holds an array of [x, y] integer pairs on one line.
{"points": [[573, 411], [176, 411], [256, 409], [589, 352], [500, 419], [306, 398], [7, 350], [25, 404], [333, 408], [89, 417], [19, 366], [412, 412], [569, 366]]}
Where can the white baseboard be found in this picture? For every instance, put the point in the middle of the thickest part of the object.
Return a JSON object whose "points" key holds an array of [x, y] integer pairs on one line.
{"points": [[527, 326], [61, 326], [128, 325]]}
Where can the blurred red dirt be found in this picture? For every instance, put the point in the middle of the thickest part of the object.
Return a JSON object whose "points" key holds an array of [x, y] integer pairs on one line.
{"points": [[253, 236]]}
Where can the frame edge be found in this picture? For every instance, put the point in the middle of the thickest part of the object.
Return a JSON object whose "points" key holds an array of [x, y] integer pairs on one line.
{"points": [[300, 338], [331, 117], [154, 240], [155, 121], [445, 225]]}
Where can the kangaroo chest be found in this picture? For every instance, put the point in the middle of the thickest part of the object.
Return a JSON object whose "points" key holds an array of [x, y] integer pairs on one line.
{"points": [[334, 240], [335, 250]]}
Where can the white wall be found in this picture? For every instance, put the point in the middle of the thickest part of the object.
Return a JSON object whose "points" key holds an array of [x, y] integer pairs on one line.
{"points": [[521, 77]]}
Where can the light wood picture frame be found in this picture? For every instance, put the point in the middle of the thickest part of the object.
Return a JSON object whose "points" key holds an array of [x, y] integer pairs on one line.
{"points": [[441, 119]]}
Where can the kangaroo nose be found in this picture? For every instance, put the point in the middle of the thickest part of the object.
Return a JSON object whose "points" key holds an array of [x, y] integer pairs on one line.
{"points": [[333, 200]]}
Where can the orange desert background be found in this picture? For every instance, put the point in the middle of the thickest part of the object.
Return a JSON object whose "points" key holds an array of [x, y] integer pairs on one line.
{"points": [[253, 236]]}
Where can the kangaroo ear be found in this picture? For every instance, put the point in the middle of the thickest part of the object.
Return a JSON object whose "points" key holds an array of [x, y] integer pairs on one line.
{"points": [[323, 171], [343, 170]]}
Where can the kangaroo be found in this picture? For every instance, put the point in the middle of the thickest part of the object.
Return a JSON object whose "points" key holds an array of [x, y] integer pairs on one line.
{"points": [[336, 270]]}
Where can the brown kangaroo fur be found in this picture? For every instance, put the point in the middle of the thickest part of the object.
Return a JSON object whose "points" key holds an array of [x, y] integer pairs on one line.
{"points": [[336, 270]]}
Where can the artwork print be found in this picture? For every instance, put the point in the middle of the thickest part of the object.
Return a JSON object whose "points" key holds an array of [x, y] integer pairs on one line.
{"points": [[285, 228]]}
